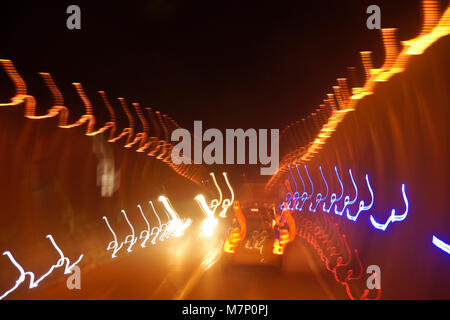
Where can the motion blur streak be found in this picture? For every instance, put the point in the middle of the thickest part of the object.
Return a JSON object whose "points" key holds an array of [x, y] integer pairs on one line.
{"points": [[227, 202], [319, 196], [210, 222], [113, 245], [145, 234], [393, 217], [176, 225], [347, 200], [241, 219], [210, 258], [362, 206], [393, 125], [21, 98], [216, 202], [131, 238], [204, 206], [333, 198], [158, 229], [62, 261], [333, 249], [441, 244]]}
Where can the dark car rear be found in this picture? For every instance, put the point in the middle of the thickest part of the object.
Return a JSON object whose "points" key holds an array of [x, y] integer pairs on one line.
{"points": [[257, 246]]}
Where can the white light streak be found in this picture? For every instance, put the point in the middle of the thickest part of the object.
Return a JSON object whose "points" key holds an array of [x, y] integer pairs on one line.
{"points": [[62, 261], [216, 202], [226, 202], [176, 225], [113, 244], [131, 239]]}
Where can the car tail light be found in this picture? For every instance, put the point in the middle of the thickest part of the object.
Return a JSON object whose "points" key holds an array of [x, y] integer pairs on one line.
{"points": [[284, 236], [237, 234], [232, 240], [277, 248], [229, 247], [280, 244]]}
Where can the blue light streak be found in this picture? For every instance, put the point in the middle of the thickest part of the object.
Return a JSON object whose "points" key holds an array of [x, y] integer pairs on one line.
{"points": [[333, 198], [393, 217], [304, 199], [303, 183], [304, 194], [347, 200], [296, 202], [296, 195], [319, 195], [441, 244], [362, 207]]}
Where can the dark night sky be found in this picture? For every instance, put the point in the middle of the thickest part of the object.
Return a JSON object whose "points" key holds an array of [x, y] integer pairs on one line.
{"points": [[232, 64]]}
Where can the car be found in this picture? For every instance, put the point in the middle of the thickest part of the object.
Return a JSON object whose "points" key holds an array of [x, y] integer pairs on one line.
{"points": [[258, 236]]}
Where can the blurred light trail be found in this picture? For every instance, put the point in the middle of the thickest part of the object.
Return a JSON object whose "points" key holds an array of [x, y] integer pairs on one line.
{"points": [[304, 199], [236, 234], [166, 233], [145, 234], [441, 244], [158, 229], [362, 206], [295, 182], [304, 194], [319, 198], [216, 202], [256, 242], [393, 217], [333, 198], [62, 261], [295, 195], [287, 200], [176, 225], [227, 202], [290, 196], [209, 259], [301, 179], [208, 226], [163, 231], [204, 206], [285, 235], [61, 112], [131, 238], [347, 200], [333, 249], [113, 245]]}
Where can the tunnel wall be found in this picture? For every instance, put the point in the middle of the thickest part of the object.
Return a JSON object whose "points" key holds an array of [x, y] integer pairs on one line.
{"points": [[398, 135], [50, 185]]}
